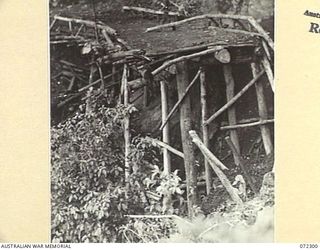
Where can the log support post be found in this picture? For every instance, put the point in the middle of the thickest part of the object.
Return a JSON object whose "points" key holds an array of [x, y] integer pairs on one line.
{"points": [[263, 111], [230, 86], [167, 204], [205, 132], [126, 122], [187, 145], [165, 131]]}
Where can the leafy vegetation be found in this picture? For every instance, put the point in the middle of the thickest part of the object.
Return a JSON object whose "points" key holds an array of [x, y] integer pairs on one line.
{"points": [[89, 195]]}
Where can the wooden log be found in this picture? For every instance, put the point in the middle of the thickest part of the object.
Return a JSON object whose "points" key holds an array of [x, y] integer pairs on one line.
{"points": [[79, 30], [183, 96], [266, 50], [232, 118], [247, 125], [52, 24], [263, 112], [212, 161], [234, 99], [69, 42], [165, 131], [223, 56], [151, 11], [123, 43], [242, 165], [242, 121], [187, 57], [71, 85], [209, 16], [92, 71], [147, 79], [107, 38], [258, 27], [205, 130], [268, 69], [61, 104], [70, 64], [64, 37], [70, 27], [124, 83], [187, 145], [92, 24], [123, 54], [167, 204], [166, 146]]}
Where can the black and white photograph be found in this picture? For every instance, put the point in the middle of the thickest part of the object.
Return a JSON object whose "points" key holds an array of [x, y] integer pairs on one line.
{"points": [[162, 121]]}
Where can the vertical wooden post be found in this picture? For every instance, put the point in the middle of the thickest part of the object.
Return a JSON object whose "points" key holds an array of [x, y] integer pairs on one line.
{"points": [[70, 27], [165, 131], [205, 132], [126, 121], [187, 145], [227, 71], [263, 111], [166, 139], [147, 78]]}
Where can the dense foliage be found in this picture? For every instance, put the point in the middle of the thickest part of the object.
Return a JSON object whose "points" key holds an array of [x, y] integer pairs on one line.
{"points": [[90, 197]]}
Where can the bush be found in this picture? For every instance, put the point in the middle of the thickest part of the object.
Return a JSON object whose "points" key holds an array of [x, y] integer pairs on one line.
{"points": [[89, 198]]}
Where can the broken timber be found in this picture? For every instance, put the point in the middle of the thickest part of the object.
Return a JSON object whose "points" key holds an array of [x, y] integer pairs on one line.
{"points": [[223, 178]]}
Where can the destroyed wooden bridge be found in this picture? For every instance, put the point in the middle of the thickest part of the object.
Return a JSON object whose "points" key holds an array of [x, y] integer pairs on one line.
{"points": [[123, 67]]}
